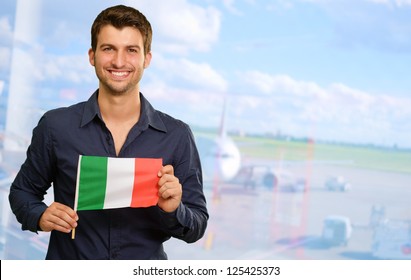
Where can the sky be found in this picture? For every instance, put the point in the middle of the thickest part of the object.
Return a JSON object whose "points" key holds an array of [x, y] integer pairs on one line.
{"points": [[331, 70]]}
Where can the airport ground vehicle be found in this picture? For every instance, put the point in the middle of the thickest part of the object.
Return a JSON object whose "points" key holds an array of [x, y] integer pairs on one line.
{"points": [[337, 230], [337, 183], [392, 240], [377, 215], [253, 176]]}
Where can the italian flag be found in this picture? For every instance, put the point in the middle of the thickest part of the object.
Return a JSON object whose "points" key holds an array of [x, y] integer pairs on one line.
{"points": [[106, 182]]}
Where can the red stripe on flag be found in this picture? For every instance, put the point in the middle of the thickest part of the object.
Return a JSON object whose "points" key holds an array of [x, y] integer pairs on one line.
{"points": [[145, 190]]}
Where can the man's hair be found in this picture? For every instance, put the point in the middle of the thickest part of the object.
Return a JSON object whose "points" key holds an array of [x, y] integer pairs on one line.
{"points": [[122, 16]]}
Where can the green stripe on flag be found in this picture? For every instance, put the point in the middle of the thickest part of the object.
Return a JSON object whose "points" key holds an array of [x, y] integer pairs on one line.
{"points": [[92, 183]]}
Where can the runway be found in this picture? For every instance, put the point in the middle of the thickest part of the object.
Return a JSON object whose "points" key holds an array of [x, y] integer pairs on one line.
{"points": [[270, 224]]}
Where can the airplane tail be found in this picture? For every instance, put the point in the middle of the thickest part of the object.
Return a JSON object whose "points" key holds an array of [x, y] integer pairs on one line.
{"points": [[222, 133]]}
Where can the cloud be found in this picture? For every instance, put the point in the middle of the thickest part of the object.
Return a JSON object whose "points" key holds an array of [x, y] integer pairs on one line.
{"points": [[392, 3], [5, 56], [196, 106], [182, 70], [338, 111], [6, 32], [237, 7], [403, 2], [280, 5], [1, 87], [398, 3], [230, 6], [6, 42], [67, 68], [180, 27], [383, 25], [267, 83]]}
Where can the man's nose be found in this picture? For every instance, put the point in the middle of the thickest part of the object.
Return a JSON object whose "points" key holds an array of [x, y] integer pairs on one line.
{"points": [[119, 59]]}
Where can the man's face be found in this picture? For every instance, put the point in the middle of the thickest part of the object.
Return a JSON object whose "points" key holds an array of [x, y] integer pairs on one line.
{"points": [[119, 59]]}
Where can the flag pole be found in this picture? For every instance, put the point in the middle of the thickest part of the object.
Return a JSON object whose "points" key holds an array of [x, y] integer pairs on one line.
{"points": [[73, 230]]}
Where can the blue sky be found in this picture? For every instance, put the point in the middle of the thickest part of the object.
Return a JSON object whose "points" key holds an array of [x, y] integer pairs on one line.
{"points": [[328, 69]]}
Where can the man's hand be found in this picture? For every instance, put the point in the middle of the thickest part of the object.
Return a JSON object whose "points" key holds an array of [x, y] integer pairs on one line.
{"points": [[58, 217], [170, 189]]}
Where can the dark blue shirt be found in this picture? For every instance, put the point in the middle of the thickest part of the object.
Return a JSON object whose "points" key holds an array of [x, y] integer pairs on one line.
{"points": [[126, 233]]}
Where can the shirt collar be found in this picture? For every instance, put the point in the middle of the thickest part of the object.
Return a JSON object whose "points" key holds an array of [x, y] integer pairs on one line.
{"points": [[91, 110], [148, 117]]}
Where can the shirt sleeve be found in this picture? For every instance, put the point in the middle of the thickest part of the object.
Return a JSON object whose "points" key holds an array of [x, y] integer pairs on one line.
{"points": [[33, 180], [189, 221]]}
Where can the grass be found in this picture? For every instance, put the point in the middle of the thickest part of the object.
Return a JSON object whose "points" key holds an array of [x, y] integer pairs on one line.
{"points": [[358, 156]]}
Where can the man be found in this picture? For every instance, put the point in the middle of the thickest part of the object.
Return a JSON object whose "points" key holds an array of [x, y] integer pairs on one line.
{"points": [[117, 121]]}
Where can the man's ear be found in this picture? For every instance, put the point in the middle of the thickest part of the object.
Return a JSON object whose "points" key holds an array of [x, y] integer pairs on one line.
{"points": [[91, 55], [147, 59]]}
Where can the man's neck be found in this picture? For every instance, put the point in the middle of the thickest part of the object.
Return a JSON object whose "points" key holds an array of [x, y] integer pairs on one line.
{"points": [[119, 108], [120, 113]]}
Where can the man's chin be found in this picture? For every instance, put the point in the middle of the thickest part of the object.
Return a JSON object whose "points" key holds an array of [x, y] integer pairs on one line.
{"points": [[118, 90]]}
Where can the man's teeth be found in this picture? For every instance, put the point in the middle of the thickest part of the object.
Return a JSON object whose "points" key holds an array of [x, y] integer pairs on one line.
{"points": [[119, 74]]}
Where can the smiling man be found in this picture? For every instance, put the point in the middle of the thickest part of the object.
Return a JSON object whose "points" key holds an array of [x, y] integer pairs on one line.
{"points": [[116, 122]]}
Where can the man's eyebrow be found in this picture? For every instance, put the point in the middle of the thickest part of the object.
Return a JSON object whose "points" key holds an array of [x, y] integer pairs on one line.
{"points": [[114, 47], [134, 46]]}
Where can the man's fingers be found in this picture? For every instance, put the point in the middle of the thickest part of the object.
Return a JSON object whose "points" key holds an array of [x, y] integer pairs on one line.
{"points": [[166, 175], [58, 217], [63, 219], [64, 216], [170, 190], [67, 210], [168, 169], [167, 178], [58, 225]]}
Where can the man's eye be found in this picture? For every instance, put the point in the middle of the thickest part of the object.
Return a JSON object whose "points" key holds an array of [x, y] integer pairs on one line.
{"points": [[133, 50]]}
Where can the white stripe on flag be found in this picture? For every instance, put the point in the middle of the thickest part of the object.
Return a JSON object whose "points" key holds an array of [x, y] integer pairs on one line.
{"points": [[120, 182]]}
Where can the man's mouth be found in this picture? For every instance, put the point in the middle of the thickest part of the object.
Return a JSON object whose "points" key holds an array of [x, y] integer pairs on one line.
{"points": [[120, 74]]}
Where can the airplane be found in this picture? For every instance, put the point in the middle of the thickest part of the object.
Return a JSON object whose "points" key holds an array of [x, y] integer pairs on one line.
{"points": [[222, 163]]}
